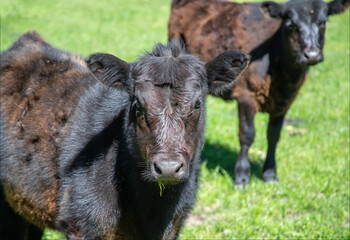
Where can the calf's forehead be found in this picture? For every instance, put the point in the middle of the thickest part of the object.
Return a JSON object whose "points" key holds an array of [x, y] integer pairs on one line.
{"points": [[164, 78], [157, 97], [307, 11]]}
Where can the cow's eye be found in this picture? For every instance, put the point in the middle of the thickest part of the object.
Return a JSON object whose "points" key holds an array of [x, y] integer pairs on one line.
{"points": [[292, 27], [139, 108], [197, 105]]}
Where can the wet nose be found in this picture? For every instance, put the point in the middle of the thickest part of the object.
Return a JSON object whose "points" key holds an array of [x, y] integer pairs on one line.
{"points": [[312, 56], [166, 170]]}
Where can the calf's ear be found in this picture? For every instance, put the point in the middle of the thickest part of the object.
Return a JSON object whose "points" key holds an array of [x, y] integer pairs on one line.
{"points": [[110, 70], [274, 10], [338, 6], [224, 70]]}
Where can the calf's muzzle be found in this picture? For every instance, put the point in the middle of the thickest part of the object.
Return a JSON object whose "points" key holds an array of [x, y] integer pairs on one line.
{"points": [[169, 170], [313, 56]]}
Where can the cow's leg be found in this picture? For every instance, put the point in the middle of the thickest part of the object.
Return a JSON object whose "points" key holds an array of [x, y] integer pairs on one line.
{"points": [[13, 226], [273, 135], [246, 111]]}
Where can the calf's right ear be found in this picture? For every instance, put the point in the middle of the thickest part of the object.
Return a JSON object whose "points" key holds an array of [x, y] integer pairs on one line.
{"points": [[338, 6], [224, 70], [110, 70]]}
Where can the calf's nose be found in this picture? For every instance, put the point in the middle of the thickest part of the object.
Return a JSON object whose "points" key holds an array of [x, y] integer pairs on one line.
{"points": [[312, 56], [166, 170]]}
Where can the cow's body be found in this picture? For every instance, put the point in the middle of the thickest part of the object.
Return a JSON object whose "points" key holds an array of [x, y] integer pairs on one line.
{"points": [[86, 145], [40, 89], [280, 57], [250, 31]]}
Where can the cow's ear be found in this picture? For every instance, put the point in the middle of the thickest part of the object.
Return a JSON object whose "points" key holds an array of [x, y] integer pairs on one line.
{"points": [[338, 6], [224, 70], [274, 10], [110, 70]]}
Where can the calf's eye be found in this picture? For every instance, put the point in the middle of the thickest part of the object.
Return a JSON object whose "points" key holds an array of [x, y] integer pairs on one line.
{"points": [[138, 106], [292, 27], [197, 105], [139, 109]]}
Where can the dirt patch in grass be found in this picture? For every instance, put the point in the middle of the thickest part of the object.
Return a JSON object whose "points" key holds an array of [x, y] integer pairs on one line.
{"points": [[205, 215]]}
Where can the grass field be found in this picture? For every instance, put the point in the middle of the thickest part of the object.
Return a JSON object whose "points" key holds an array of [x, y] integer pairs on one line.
{"points": [[311, 200]]}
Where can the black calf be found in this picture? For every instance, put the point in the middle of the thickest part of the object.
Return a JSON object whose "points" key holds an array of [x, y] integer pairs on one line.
{"points": [[105, 149]]}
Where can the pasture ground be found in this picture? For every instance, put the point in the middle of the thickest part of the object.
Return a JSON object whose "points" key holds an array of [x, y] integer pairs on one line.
{"points": [[311, 199]]}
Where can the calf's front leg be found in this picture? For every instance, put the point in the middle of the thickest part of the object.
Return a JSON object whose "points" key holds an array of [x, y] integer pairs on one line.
{"points": [[273, 135], [246, 111]]}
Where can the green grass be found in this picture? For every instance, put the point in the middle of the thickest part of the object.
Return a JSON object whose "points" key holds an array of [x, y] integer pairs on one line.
{"points": [[310, 201]]}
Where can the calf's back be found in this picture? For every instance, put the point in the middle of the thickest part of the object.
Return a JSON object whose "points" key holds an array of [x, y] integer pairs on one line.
{"points": [[212, 27]]}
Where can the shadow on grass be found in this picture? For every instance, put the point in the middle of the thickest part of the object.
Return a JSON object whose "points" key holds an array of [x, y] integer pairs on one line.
{"points": [[217, 155]]}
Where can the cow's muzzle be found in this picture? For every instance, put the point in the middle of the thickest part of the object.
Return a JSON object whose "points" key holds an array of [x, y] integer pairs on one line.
{"points": [[169, 169], [312, 56]]}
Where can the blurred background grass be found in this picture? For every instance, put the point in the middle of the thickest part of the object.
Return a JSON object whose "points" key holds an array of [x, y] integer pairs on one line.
{"points": [[310, 201]]}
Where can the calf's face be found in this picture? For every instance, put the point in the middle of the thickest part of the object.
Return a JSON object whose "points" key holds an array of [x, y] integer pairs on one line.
{"points": [[168, 89], [169, 101], [304, 24]]}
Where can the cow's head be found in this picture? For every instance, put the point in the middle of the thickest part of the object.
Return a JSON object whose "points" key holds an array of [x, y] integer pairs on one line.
{"points": [[304, 24], [168, 88]]}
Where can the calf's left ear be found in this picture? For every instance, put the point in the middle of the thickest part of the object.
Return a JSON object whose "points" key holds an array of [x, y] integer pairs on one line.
{"points": [[110, 70], [224, 70], [338, 6], [274, 10]]}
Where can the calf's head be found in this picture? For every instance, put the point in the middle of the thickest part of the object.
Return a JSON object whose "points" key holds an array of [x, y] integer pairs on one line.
{"points": [[304, 24], [168, 88]]}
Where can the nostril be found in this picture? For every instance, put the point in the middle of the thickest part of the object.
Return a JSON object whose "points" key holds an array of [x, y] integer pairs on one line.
{"points": [[157, 169], [178, 169]]}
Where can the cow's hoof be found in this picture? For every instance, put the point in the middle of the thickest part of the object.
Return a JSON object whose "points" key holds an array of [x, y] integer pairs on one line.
{"points": [[241, 180], [270, 176], [242, 172]]}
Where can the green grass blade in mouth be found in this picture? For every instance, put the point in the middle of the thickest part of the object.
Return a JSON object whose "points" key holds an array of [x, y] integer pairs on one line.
{"points": [[161, 188]]}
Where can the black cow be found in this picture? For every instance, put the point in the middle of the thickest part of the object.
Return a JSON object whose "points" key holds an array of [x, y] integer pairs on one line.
{"points": [[103, 149], [283, 40]]}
